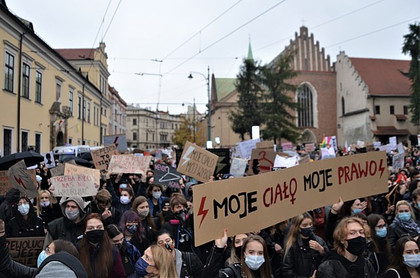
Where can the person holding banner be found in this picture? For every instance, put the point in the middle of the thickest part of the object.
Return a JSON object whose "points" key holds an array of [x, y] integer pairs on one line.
{"points": [[406, 260], [304, 250], [98, 255], [347, 259], [26, 223]]}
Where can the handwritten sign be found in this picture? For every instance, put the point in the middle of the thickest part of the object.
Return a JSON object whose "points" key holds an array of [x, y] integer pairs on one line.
{"points": [[82, 185], [25, 250], [398, 161], [238, 167], [71, 170], [57, 170], [246, 147], [119, 140], [102, 157], [256, 202], [197, 162], [23, 179], [129, 164], [265, 158], [167, 175], [5, 183], [309, 147]]}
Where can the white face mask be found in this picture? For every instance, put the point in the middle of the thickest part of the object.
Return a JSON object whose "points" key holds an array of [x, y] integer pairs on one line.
{"points": [[72, 214], [143, 213], [157, 194], [23, 209], [254, 262], [124, 200]]}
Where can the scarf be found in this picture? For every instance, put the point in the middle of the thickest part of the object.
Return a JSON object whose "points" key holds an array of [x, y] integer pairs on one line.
{"points": [[410, 226]]}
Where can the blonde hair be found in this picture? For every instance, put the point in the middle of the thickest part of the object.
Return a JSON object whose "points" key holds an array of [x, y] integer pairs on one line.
{"points": [[340, 232], [164, 261], [52, 199], [404, 203], [294, 231]]}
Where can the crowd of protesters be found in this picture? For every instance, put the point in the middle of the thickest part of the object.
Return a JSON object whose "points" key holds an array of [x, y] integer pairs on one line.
{"points": [[136, 227]]}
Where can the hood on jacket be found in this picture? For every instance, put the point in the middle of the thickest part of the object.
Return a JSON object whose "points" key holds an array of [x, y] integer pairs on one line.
{"points": [[12, 195], [78, 200], [61, 264]]}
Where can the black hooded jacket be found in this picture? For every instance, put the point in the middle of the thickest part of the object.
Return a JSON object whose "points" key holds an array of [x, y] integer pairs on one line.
{"points": [[7, 207]]}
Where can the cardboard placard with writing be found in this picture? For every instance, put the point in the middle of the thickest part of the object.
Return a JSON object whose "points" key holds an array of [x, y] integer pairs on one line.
{"points": [[398, 161], [246, 147], [129, 164], [257, 202], [25, 250], [57, 170], [265, 145], [167, 175], [5, 183], [82, 185], [71, 170], [238, 167], [265, 158], [197, 162], [101, 157], [309, 147], [120, 140], [23, 179]]}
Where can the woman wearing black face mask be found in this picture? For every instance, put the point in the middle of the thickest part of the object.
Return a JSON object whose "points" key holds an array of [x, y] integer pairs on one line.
{"points": [[97, 254], [347, 259], [303, 249]]}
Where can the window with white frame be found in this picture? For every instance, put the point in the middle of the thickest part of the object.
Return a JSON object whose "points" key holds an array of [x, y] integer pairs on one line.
{"points": [[9, 71], [26, 69], [24, 141], [58, 91], [71, 101], [38, 86], [88, 112], [38, 142], [7, 141]]}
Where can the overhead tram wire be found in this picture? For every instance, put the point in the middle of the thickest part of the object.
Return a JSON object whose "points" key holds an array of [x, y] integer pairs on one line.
{"points": [[202, 29], [227, 35], [112, 19], [323, 23], [372, 32]]}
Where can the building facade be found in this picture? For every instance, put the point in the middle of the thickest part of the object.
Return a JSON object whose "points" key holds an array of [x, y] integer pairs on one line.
{"points": [[44, 99], [147, 129], [373, 98], [117, 121]]}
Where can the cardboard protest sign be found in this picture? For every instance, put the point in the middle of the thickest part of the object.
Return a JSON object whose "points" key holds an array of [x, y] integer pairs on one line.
{"points": [[101, 157], [49, 160], [264, 158], [309, 147], [5, 183], [82, 185], [197, 162], [57, 171], [285, 161], [304, 159], [246, 147], [393, 141], [287, 146], [257, 202], [129, 164], [238, 167], [25, 250], [398, 161], [329, 141], [327, 153], [23, 179], [119, 140], [72, 170], [167, 175], [265, 145]]}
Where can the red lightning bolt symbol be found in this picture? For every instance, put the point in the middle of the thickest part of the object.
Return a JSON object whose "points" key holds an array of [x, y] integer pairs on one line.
{"points": [[19, 181], [202, 211]]}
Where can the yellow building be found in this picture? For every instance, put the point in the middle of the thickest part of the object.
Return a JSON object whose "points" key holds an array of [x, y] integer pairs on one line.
{"points": [[44, 98]]}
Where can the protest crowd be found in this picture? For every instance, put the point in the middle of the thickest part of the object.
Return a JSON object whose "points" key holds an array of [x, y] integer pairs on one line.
{"points": [[132, 225]]}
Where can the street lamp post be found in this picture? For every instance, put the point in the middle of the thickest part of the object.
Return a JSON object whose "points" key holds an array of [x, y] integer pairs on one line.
{"points": [[209, 100]]}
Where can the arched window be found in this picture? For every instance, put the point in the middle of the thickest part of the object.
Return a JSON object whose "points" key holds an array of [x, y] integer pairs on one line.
{"points": [[305, 102], [343, 107]]}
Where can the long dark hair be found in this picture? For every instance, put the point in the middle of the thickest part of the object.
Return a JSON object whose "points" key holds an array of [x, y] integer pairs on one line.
{"points": [[104, 259], [131, 216], [31, 215], [398, 259], [372, 221]]}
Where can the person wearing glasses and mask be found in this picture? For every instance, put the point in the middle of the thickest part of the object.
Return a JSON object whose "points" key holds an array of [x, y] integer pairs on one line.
{"points": [[347, 259]]}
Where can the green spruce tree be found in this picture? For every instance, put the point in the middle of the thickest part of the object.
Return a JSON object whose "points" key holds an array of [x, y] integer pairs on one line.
{"points": [[248, 112], [278, 104], [411, 46]]}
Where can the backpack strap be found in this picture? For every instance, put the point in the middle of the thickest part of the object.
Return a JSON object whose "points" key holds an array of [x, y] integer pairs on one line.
{"points": [[393, 269]]}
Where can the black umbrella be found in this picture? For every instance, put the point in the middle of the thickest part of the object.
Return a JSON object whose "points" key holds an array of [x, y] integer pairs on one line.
{"points": [[87, 156], [31, 158]]}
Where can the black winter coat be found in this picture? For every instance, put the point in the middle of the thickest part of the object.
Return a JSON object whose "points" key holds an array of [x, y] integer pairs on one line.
{"points": [[63, 228], [11, 268], [17, 227], [333, 267], [302, 261], [395, 232]]}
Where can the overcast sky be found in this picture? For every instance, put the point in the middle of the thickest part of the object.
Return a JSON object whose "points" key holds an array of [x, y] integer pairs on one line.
{"points": [[191, 35]]}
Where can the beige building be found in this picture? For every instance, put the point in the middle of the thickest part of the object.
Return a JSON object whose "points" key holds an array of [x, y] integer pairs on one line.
{"points": [[44, 99], [147, 129], [117, 121], [373, 98]]}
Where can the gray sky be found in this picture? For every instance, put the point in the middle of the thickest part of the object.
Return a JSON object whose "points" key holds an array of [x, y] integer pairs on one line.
{"points": [[189, 35]]}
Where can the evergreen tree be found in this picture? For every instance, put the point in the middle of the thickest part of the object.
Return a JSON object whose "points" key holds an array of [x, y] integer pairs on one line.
{"points": [[411, 46], [248, 113], [278, 104]]}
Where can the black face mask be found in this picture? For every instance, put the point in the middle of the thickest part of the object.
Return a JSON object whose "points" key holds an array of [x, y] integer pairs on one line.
{"points": [[180, 215], [95, 236], [238, 250], [356, 246], [306, 232]]}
